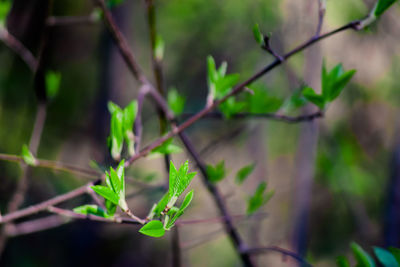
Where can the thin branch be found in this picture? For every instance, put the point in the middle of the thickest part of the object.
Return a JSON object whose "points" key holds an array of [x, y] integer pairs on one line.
{"points": [[15, 45], [270, 116], [90, 217], [285, 252], [44, 205], [33, 226]]}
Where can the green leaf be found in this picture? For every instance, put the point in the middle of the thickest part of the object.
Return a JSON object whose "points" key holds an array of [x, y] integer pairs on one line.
{"points": [[258, 36], [166, 148], [153, 229], [112, 107], [53, 81], [381, 6], [107, 193], [211, 71], [28, 156], [91, 209], [363, 259], [159, 48], [385, 257], [121, 175], [244, 172], [222, 69], [176, 102], [339, 84], [116, 131], [224, 85], [260, 101], [396, 253], [334, 81], [231, 107], [111, 207], [129, 114], [314, 98], [5, 7], [160, 207], [179, 213], [179, 180], [115, 182], [217, 173], [342, 261], [259, 198]]}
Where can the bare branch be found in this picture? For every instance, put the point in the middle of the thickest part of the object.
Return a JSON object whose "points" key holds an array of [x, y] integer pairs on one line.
{"points": [[285, 252], [15, 45], [44, 205]]}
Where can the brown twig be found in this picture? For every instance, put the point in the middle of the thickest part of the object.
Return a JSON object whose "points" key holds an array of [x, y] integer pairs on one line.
{"points": [[44, 205], [271, 116], [321, 15], [37, 225], [15, 45]]}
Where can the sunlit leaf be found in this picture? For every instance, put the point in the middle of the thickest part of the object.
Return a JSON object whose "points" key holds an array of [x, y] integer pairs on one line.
{"points": [[216, 173], [28, 156], [153, 229], [244, 172], [176, 102], [107, 193]]}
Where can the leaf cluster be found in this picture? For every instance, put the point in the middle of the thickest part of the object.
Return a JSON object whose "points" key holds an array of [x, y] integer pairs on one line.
{"points": [[259, 198], [121, 128], [165, 209], [333, 83]]}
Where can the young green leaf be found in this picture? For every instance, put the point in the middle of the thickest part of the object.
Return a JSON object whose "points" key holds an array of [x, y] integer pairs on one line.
{"points": [[111, 207], [166, 148], [179, 213], [244, 172], [339, 84], [178, 181], [334, 81], [176, 102], [91, 209], [53, 81], [381, 6], [231, 107], [5, 7], [259, 198], [385, 257], [260, 101], [116, 134], [342, 261], [107, 193], [129, 114], [217, 173], [160, 207], [159, 48], [115, 182], [362, 257], [28, 156], [153, 229], [212, 73], [224, 85], [258, 36], [313, 97]]}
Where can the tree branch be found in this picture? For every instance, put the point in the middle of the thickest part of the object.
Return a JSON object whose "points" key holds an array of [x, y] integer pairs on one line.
{"points": [[44, 205], [15, 45], [285, 252]]}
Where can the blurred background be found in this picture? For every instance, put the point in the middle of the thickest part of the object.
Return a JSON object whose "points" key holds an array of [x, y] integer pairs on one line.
{"points": [[336, 179]]}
